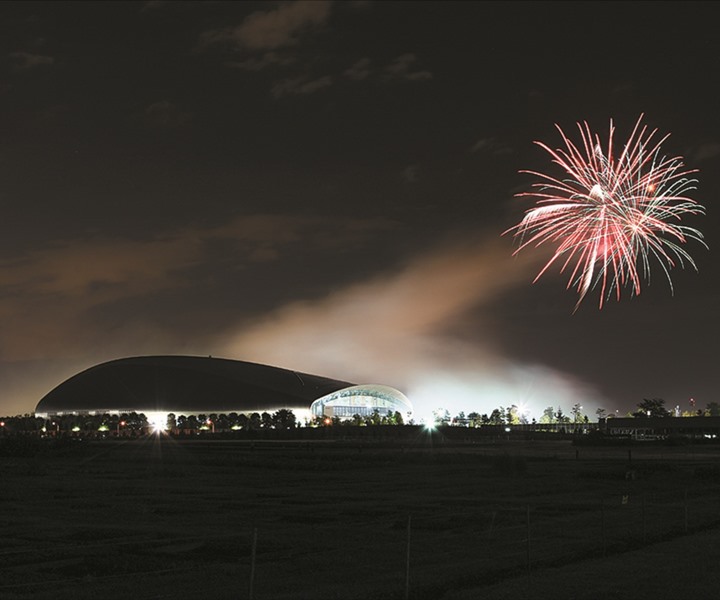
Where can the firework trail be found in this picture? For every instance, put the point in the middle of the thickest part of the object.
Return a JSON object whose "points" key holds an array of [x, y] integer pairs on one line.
{"points": [[610, 217]]}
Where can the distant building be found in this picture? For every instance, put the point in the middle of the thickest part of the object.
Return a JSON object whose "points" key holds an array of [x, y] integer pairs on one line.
{"points": [[190, 385], [650, 428]]}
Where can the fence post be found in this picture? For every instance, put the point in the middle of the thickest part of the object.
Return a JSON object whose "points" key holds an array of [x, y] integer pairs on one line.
{"points": [[407, 562], [527, 545], [644, 528], [253, 550], [602, 526]]}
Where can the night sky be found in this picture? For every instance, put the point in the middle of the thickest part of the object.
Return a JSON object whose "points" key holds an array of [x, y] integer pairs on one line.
{"points": [[323, 187]]}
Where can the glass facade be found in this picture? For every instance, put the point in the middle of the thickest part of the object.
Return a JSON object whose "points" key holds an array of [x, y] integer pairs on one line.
{"points": [[362, 400]]}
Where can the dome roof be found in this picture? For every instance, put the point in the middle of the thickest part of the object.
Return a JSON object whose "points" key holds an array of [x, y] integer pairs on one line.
{"points": [[185, 384], [362, 400]]}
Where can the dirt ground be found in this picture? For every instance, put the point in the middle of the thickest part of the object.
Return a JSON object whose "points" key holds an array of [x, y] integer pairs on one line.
{"points": [[164, 518]]}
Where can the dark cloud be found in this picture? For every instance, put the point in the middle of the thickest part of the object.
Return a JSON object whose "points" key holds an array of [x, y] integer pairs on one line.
{"points": [[300, 86], [259, 63], [22, 61], [491, 146], [360, 70], [272, 29], [66, 280], [403, 67]]}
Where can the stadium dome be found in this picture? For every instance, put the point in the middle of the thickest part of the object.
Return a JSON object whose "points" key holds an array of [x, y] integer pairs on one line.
{"points": [[184, 385], [361, 400], [191, 385]]}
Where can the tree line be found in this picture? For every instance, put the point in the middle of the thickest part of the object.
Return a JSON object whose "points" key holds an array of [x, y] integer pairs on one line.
{"points": [[134, 423]]}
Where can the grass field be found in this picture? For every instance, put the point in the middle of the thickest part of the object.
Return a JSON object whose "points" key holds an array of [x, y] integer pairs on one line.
{"points": [[163, 518]]}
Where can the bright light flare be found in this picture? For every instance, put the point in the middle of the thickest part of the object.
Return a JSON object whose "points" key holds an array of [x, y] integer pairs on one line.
{"points": [[157, 421], [428, 423], [611, 215]]}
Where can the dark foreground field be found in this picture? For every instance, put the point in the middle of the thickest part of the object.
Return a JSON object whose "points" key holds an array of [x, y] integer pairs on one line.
{"points": [[162, 518]]}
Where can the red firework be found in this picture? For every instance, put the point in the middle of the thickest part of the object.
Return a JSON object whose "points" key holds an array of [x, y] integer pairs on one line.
{"points": [[610, 217]]}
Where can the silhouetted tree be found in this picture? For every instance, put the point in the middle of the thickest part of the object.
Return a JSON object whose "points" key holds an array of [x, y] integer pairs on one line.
{"points": [[560, 416], [254, 422], [654, 407], [548, 415], [192, 423], [284, 419], [171, 423], [497, 416], [222, 423], [713, 409], [136, 421], [441, 416], [475, 419], [577, 413], [181, 421]]}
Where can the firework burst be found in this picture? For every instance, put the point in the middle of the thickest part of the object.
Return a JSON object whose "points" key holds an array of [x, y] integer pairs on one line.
{"points": [[611, 216]]}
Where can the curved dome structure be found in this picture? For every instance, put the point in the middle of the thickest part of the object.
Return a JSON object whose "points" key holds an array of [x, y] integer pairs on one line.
{"points": [[184, 385], [361, 400]]}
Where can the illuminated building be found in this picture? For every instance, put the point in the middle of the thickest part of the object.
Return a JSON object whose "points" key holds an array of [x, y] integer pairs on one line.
{"points": [[190, 385], [361, 400]]}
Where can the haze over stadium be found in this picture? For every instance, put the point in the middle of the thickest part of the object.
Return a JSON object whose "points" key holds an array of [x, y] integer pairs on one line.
{"points": [[322, 186]]}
